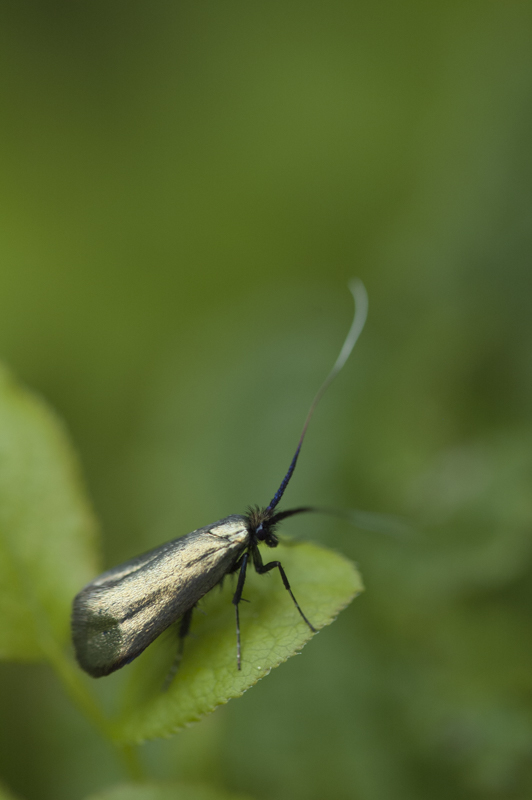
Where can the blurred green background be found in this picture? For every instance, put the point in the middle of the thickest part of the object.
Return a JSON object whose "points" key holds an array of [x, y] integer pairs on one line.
{"points": [[186, 189]]}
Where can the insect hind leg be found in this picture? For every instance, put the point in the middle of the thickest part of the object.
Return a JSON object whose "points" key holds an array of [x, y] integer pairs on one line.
{"points": [[262, 568], [237, 597], [184, 628]]}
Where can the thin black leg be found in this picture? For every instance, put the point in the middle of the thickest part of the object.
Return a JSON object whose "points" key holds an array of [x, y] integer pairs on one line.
{"points": [[184, 627], [237, 597], [261, 568]]}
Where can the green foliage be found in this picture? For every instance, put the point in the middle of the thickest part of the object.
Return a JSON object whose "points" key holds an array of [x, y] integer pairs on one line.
{"points": [[186, 189], [272, 631], [169, 791], [47, 531], [47, 542], [5, 794]]}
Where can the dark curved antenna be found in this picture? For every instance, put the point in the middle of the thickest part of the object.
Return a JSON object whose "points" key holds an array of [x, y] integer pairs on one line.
{"points": [[361, 311], [388, 524]]}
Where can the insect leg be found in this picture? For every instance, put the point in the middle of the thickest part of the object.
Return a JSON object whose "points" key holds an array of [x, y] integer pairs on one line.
{"points": [[237, 597], [184, 627], [261, 568]]}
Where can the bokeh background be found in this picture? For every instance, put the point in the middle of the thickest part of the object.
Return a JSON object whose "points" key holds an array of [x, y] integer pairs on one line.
{"points": [[186, 189]]}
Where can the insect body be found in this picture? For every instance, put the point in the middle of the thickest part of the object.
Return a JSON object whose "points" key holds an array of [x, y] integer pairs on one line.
{"points": [[121, 612]]}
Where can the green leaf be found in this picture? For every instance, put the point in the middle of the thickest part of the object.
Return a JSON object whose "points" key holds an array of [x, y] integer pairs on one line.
{"points": [[47, 531], [323, 582], [163, 791]]}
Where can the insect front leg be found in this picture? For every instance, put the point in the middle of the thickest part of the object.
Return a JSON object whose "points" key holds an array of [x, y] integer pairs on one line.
{"points": [[261, 568], [237, 597]]}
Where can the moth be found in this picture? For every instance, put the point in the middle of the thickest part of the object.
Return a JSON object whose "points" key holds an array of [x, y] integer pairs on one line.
{"points": [[118, 614]]}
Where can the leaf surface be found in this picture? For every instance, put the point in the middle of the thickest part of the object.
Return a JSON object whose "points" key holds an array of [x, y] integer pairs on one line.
{"points": [[323, 582], [47, 531]]}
